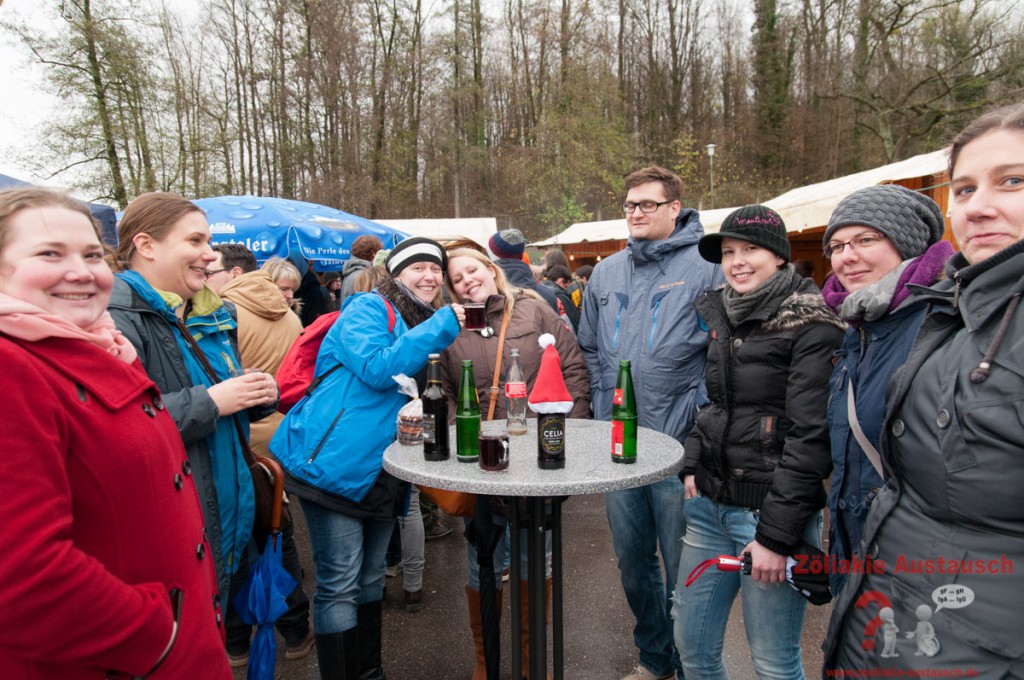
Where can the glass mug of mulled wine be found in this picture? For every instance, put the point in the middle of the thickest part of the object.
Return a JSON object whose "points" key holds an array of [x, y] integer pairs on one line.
{"points": [[493, 446], [476, 317]]}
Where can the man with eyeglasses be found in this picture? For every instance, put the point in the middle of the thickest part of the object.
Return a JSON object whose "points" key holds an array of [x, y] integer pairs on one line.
{"points": [[638, 305]]}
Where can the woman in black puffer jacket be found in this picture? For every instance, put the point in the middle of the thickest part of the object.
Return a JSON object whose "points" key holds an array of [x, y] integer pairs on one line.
{"points": [[759, 452]]}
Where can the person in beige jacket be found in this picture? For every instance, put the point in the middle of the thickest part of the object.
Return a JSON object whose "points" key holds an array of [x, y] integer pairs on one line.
{"points": [[266, 329]]}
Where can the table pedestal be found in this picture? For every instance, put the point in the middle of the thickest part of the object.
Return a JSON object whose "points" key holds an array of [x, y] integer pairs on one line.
{"points": [[539, 514]]}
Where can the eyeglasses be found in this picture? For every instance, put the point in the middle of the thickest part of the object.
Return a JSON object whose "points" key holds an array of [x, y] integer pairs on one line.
{"points": [[646, 207], [862, 242], [211, 272]]}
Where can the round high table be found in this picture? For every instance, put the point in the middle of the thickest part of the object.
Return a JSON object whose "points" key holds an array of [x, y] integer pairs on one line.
{"points": [[538, 496]]}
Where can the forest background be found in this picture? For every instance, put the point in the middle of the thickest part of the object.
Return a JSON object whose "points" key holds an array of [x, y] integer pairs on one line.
{"points": [[531, 111]]}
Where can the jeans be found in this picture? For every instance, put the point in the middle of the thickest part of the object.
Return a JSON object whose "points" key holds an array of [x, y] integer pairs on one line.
{"points": [[411, 527], [500, 552], [773, 614], [348, 553], [643, 521]]}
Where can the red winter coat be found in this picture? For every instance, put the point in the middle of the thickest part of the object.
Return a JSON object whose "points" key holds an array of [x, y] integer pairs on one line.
{"points": [[99, 519]]}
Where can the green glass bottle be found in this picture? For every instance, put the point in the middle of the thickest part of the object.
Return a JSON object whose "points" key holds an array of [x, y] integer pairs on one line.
{"points": [[467, 417], [624, 417]]}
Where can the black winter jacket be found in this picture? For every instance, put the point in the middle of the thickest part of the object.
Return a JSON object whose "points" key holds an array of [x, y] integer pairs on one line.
{"points": [[762, 442]]}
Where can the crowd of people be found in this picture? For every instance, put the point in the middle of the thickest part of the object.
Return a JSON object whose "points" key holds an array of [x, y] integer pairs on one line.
{"points": [[891, 396]]}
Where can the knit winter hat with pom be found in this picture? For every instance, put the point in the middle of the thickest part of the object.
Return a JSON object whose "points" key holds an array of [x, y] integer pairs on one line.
{"points": [[549, 394]]}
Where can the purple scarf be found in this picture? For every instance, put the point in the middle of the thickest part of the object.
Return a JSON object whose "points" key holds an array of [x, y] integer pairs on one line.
{"points": [[923, 270]]}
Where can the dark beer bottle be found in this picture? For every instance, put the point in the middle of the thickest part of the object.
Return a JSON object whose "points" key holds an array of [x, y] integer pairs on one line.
{"points": [[467, 417], [624, 417], [435, 413], [551, 441]]}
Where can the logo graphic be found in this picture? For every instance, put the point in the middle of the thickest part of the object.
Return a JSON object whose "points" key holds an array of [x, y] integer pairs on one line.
{"points": [[863, 602]]}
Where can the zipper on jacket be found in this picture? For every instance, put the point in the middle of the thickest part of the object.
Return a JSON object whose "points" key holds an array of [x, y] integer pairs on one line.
{"points": [[654, 324], [323, 440], [615, 336]]}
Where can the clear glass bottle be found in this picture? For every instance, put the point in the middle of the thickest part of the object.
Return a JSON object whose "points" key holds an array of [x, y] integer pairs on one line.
{"points": [[515, 395]]}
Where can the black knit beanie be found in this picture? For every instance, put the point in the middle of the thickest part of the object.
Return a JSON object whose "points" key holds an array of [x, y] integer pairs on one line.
{"points": [[415, 249], [910, 220], [757, 224]]}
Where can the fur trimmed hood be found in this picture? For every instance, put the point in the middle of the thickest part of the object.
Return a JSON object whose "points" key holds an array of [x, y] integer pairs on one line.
{"points": [[801, 308]]}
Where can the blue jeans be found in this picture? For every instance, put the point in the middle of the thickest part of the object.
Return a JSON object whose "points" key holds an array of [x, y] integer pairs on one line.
{"points": [[348, 554], [643, 521], [773, 614]]}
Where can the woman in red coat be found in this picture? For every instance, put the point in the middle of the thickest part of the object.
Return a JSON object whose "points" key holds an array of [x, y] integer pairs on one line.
{"points": [[106, 570]]}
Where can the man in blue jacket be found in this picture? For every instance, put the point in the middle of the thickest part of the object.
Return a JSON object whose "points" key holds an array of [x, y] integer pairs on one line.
{"points": [[638, 305]]}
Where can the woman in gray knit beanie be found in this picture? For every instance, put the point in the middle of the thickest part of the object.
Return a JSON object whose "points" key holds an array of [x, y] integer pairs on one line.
{"points": [[879, 240]]}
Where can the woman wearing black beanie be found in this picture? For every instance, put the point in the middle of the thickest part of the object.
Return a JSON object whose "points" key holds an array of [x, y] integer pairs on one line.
{"points": [[758, 452]]}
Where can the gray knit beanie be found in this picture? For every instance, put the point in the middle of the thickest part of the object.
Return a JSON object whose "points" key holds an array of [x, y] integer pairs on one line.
{"points": [[910, 220]]}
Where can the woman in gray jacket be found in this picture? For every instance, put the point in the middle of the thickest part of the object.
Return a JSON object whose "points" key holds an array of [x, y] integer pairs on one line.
{"points": [[945, 536], [163, 253]]}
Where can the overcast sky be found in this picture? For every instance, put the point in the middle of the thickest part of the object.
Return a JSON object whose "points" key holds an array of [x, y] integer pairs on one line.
{"points": [[24, 102]]}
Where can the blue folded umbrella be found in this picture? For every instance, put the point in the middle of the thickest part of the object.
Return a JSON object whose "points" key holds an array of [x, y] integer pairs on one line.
{"points": [[260, 602]]}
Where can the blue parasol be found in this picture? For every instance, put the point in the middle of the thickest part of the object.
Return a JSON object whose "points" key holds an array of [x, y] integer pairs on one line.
{"points": [[262, 599], [269, 227]]}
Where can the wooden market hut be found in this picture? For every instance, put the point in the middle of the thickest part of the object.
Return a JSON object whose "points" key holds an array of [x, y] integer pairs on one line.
{"points": [[805, 211]]}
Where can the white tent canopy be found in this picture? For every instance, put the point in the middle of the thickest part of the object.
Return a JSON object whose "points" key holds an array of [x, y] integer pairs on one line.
{"points": [[480, 229], [610, 230], [812, 205], [801, 208]]}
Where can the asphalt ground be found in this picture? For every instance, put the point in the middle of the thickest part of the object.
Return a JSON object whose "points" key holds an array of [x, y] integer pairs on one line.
{"points": [[435, 642]]}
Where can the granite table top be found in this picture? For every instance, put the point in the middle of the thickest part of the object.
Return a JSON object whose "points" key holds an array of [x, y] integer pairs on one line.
{"points": [[588, 465]]}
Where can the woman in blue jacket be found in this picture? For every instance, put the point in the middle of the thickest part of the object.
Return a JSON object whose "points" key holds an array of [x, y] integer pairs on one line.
{"points": [[332, 443], [880, 240]]}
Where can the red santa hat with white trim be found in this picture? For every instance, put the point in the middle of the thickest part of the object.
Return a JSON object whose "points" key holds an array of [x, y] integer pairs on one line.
{"points": [[549, 394]]}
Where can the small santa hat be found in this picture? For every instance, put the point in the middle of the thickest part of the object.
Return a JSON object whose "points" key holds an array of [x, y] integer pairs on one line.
{"points": [[549, 394]]}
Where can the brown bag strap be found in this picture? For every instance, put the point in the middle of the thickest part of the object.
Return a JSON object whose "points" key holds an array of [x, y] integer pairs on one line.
{"points": [[497, 366], [247, 454]]}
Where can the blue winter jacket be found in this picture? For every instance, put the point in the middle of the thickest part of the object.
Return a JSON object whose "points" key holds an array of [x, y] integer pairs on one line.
{"points": [[638, 305], [868, 358], [332, 442]]}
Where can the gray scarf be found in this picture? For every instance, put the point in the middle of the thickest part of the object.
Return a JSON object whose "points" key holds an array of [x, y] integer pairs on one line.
{"points": [[872, 302], [739, 306]]}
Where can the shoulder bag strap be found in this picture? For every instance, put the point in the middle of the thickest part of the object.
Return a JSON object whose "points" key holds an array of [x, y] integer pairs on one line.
{"points": [[870, 451], [247, 454], [497, 366]]}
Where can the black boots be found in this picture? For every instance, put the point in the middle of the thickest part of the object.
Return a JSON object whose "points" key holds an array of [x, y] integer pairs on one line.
{"points": [[336, 653], [355, 653], [368, 632]]}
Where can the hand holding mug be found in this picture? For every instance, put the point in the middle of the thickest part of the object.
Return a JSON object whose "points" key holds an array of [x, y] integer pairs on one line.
{"points": [[460, 314], [252, 388]]}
